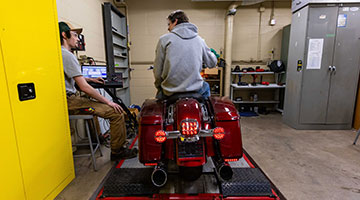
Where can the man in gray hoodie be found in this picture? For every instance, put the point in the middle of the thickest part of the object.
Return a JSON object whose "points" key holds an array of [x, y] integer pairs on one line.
{"points": [[180, 57]]}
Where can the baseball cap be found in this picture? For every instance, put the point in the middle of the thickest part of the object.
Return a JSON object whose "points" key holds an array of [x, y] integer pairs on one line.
{"points": [[63, 27]]}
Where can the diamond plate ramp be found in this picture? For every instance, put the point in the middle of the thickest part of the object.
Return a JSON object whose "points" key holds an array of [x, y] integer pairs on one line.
{"points": [[129, 182], [246, 182]]}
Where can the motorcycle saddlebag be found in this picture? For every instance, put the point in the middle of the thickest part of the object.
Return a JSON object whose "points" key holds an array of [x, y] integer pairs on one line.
{"points": [[151, 120], [227, 117]]}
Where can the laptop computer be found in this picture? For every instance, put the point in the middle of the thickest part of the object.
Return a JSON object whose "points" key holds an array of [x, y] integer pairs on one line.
{"points": [[94, 71]]}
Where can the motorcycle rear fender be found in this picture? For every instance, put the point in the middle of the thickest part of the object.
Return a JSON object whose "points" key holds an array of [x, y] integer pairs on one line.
{"points": [[186, 109]]}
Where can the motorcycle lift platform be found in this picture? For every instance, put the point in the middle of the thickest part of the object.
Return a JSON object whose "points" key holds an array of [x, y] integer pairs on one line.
{"points": [[129, 179]]}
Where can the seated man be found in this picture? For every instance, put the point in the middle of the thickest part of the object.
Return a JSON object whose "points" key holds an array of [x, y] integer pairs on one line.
{"points": [[180, 56], [102, 107]]}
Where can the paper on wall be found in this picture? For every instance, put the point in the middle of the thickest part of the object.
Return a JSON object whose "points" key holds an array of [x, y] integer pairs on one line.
{"points": [[342, 20], [314, 53]]}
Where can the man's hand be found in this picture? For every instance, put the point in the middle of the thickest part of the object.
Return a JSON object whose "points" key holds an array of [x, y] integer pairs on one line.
{"points": [[96, 80], [214, 52], [116, 107]]}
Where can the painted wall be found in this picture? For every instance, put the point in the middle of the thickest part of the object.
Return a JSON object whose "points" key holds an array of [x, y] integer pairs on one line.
{"points": [[250, 29], [86, 14]]}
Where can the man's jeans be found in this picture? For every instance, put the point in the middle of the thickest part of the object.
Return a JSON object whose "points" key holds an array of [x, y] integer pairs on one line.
{"points": [[117, 120], [204, 91]]}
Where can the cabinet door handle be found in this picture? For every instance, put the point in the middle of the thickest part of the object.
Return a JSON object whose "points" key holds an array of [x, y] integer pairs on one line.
{"points": [[334, 68], [330, 68]]}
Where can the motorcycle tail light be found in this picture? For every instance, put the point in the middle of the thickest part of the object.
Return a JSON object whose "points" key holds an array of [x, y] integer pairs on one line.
{"points": [[219, 133], [231, 160], [189, 127], [150, 164], [160, 136]]}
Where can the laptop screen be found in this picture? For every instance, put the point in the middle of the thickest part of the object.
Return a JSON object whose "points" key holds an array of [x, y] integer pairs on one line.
{"points": [[94, 71]]}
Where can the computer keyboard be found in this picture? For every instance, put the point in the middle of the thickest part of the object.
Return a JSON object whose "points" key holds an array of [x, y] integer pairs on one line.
{"points": [[108, 84]]}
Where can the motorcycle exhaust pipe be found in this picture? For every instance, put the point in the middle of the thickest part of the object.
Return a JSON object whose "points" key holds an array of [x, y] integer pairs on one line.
{"points": [[159, 176], [223, 169]]}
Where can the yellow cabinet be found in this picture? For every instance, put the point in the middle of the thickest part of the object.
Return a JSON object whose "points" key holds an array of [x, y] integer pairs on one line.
{"points": [[11, 178], [35, 131]]}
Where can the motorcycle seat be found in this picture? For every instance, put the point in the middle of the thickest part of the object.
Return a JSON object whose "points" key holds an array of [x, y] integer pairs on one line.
{"points": [[195, 95]]}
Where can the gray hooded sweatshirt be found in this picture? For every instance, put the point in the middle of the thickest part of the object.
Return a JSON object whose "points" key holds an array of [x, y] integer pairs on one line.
{"points": [[180, 55]]}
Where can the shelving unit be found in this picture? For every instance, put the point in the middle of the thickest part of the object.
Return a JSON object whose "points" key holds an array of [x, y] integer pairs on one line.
{"points": [[271, 85], [266, 94], [215, 79], [117, 55]]}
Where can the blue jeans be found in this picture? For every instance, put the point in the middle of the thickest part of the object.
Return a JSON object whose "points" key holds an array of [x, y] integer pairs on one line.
{"points": [[204, 91]]}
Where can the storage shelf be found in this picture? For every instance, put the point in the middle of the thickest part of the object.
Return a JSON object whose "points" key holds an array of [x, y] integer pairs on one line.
{"points": [[279, 110], [258, 86], [121, 67], [118, 34], [119, 45], [116, 47], [255, 102], [260, 73], [120, 56], [252, 73], [266, 100]]}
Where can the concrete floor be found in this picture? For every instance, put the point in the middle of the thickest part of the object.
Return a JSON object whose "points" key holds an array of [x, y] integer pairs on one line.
{"points": [[302, 164]]}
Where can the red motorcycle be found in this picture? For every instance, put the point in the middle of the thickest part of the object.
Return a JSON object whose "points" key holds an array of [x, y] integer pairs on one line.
{"points": [[187, 128]]}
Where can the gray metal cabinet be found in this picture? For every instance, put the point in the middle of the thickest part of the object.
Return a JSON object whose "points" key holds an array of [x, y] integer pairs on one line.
{"points": [[323, 66]]}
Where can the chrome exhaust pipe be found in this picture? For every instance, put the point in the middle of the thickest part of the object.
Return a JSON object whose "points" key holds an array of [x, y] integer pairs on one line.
{"points": [[223, 169], [159, 176]]}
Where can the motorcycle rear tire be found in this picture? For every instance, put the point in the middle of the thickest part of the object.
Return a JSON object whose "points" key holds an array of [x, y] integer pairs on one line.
{"points": [[190, 173]]}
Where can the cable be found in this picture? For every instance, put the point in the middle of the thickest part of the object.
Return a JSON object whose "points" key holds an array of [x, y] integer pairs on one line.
{"points": [[76, 129]]}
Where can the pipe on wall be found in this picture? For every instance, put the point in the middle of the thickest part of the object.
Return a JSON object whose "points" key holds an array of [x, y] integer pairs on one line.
{"points": [[228, 45], [228, 39]]}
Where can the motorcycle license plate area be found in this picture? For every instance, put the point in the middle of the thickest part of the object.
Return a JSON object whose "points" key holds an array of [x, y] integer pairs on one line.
{"points": [[129, 179]]}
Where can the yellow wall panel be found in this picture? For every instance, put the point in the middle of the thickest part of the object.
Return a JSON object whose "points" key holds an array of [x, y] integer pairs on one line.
{"points": [[31, 49]]}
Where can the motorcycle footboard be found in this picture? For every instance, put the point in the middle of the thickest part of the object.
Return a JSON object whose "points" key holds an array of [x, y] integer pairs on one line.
{"points": [[246, 182]]}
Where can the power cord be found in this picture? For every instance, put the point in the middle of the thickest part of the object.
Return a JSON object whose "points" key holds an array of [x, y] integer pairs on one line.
{"points": [[77, 131]]}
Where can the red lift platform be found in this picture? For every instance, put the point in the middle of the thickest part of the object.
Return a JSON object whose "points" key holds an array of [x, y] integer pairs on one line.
{"points": [[129, 179]]}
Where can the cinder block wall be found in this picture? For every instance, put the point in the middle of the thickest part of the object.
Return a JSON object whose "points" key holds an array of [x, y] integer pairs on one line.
{"points": [[147, 21], [246, 31], [87, 15]]}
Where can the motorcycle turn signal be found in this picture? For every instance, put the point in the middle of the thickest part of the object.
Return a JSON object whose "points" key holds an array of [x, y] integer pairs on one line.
{"points": [[219, 133], [160, 136]]}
